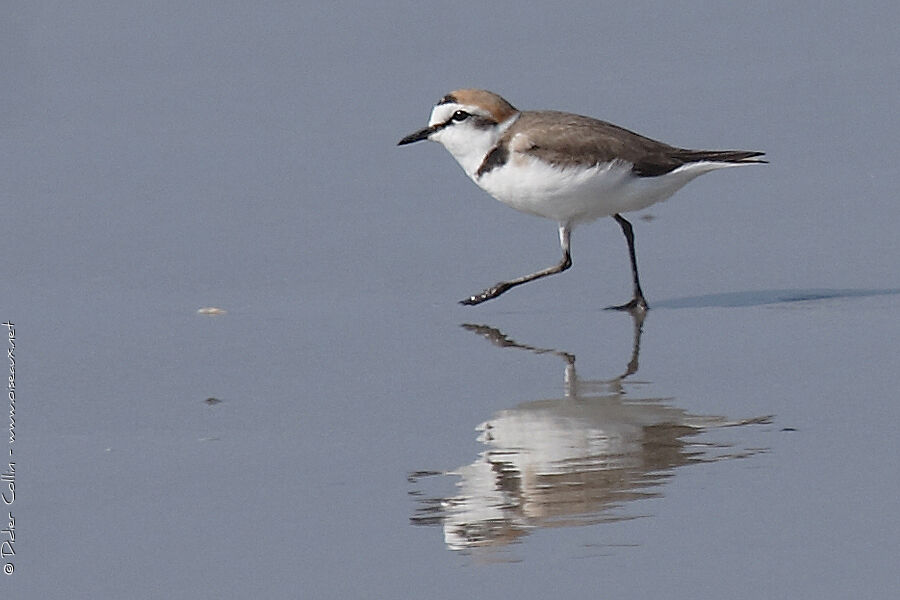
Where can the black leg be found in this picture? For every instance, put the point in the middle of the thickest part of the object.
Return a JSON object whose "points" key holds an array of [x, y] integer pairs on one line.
{"points": [[496, 290], [637, 302]]}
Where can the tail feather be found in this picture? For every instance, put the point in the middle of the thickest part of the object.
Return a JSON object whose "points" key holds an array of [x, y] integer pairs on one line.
{"points": [[728, 156]]}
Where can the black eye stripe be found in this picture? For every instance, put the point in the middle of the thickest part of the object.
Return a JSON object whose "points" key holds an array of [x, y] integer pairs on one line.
{"points": [[462, 115]]}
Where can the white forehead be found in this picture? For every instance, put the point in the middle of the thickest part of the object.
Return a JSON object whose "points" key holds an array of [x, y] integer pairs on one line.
{"points": [[441, 113]]}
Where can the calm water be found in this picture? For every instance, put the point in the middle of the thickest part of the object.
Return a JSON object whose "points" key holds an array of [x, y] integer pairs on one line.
{"points": [[345, 429]]}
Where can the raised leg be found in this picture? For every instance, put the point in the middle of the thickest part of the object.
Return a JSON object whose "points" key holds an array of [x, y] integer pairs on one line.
{"points": [[492, 292], [637, 302]]}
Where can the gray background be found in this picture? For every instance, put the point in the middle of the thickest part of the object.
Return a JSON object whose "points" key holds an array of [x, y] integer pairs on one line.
{"points": [[160, 157]]}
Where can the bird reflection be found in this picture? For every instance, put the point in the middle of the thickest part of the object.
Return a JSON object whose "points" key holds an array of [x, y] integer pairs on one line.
{"points": [[575, 460]]}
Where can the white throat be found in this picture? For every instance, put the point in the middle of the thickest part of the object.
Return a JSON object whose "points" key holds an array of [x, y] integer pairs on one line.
{"points": [[469, 145]]}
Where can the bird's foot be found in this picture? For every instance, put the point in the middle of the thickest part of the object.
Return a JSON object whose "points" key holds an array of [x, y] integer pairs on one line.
{"points": [[488, 294], [636, 305]]}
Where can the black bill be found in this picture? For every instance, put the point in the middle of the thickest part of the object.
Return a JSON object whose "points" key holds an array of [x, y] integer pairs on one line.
{"points": [[418, 136]]}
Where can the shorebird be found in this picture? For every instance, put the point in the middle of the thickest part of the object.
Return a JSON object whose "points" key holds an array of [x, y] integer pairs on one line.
{"points": [[566, 167]]}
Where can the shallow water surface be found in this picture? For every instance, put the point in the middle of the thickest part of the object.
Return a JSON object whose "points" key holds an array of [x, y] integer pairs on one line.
{"points": [[340, 427]]}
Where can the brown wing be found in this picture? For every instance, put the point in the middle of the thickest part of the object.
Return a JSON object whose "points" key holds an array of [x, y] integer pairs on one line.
{"points": [[569, 140]]}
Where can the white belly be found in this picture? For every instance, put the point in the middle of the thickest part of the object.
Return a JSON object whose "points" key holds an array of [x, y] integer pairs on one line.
{"points": [[576, 195]]}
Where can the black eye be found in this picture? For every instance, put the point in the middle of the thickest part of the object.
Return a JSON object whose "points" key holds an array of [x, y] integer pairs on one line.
{"points": [[461, 115]]}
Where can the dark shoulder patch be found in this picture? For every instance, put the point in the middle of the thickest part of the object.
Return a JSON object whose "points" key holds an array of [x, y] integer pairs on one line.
{"points": [[495, 158]]}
